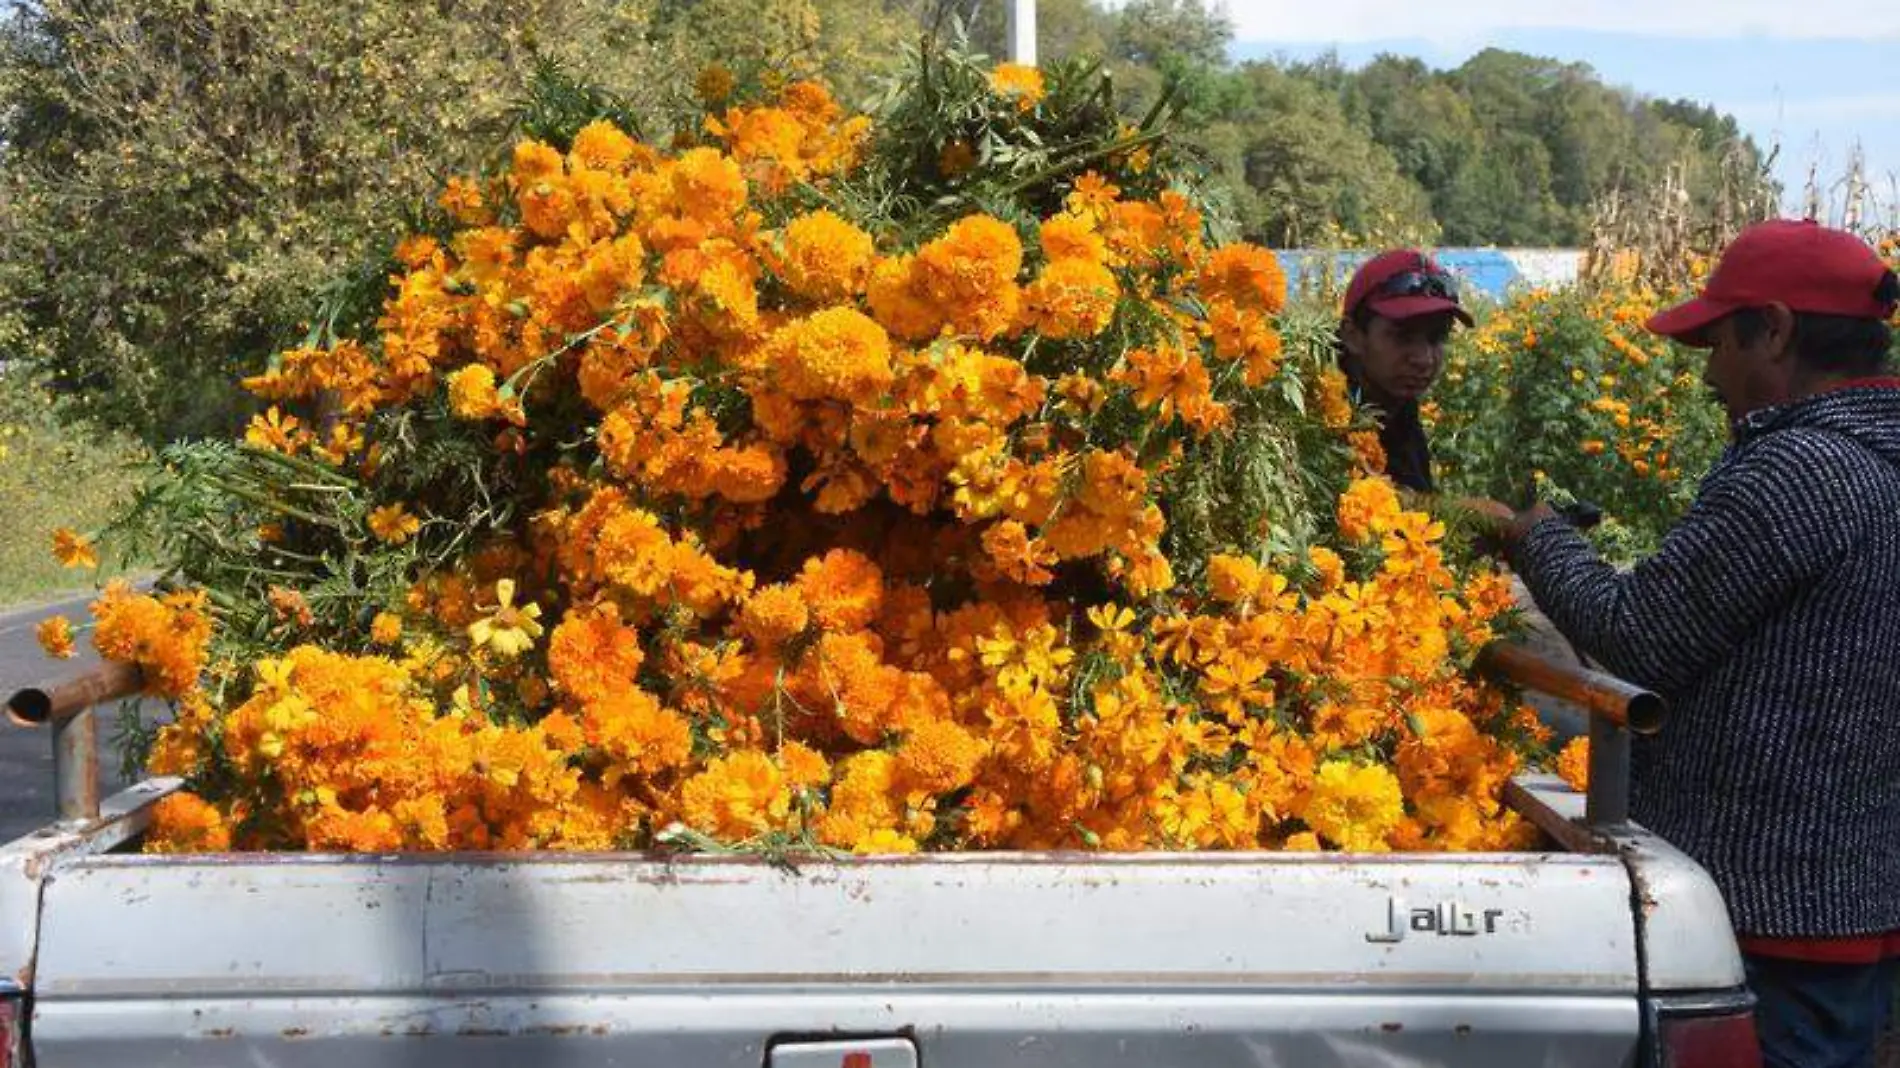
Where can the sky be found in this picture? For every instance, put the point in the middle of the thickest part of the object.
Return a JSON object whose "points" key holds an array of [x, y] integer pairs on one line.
{"points": [[1810, 76]]}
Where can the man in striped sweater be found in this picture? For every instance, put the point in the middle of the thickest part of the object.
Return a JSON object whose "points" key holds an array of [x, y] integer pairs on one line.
{"points": [[1770, 619]]}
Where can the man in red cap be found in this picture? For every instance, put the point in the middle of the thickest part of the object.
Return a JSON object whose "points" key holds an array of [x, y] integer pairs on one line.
{"points": [[1397, 315], [1770, 619]]}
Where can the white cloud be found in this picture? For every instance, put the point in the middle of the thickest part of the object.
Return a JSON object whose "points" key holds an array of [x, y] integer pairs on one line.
{"points": [[1463, 22]]}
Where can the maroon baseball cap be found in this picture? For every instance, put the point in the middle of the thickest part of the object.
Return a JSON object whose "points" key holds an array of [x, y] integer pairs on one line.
{"points": [[1403, 284], [1796, 262]]}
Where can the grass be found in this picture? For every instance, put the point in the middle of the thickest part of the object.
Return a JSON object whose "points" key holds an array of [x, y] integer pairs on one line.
{"points": [[53, 474]]}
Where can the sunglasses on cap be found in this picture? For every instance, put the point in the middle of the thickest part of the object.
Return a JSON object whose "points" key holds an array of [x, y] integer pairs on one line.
{"points": [[1418, 284]]}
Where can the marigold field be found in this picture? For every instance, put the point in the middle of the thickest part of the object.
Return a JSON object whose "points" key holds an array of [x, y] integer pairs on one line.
{"points": [[934, 480]]}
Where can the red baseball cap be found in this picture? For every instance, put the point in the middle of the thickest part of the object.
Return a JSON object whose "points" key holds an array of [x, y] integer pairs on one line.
{"points": [[1403, 284], [1797, 262]]}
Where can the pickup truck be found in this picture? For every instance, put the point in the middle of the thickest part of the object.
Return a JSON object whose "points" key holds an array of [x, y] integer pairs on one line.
{"points": [[1604, 947]]}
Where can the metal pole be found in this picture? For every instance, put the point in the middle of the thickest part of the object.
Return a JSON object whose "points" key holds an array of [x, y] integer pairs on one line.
{"points": [[66, 708], [1022, 32], [1607, 804], [76, 765]]}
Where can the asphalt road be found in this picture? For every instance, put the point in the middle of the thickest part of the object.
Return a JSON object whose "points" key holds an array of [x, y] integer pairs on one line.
{"points": [[26, 754]]}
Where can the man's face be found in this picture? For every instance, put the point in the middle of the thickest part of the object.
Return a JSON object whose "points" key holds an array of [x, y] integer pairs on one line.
{"points": [[1747, 375], [1400, 357]]}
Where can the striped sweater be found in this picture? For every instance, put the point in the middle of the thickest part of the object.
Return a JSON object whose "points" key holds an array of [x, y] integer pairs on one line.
{"points": [[1770, 619]]}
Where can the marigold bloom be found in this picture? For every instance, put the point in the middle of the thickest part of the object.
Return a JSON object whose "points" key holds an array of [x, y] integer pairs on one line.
{"points": [[1020, 82], [73, 549], [55, 634], [508, 630], [472, 393], [393, 524], [825, 258]]}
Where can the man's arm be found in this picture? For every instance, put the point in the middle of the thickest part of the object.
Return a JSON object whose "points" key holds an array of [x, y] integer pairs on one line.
{"points": [[1760, 531]]}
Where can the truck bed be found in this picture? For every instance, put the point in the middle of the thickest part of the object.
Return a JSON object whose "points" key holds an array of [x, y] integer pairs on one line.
{"points": [[946, 960]]}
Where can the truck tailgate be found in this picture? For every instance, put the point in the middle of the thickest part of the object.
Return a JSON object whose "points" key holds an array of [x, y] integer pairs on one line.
{"points": [[977, 960]]}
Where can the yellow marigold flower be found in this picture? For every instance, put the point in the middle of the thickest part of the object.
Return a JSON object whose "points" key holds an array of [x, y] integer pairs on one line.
{"points": [[1073, 297], [508, 630], [1233, 579], [186, 823], [385, 628], [1019, 82], [73, 549], [1367, 509], [897, 302], [1573, 764], [825, 258], [737, 797], [276, 432], [707, 185], [472, 393], [393, 524], [1354, 806], [55, 635]]}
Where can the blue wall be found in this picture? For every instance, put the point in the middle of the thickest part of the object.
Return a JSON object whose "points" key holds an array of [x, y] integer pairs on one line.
{"points": [[1492, 272]]}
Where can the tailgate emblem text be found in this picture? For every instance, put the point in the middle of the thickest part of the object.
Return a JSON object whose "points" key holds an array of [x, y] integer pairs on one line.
{"points": [[1449, 918]]}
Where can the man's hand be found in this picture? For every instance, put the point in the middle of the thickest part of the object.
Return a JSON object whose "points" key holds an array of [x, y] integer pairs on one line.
{"points": [[1504, 527]]}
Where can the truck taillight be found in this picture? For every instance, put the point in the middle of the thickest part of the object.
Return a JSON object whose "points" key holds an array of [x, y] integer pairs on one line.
{"points": [[1708, 1033], [12, 1036]]}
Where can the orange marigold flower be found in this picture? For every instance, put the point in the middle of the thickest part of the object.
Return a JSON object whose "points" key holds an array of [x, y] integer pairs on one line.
{"points": [[825, 258], [1367, 509], [592, 654], [970, 275], [55, 635], [1573, 764], [1072, 298], [772, 615], [186, 823], [1248, 275], [276, 432], [602, 145], [1020, 557], [393, 524], [1071, 237], [835, 354], [73, 549], [463, 199], [843, 589], [938, 756]]}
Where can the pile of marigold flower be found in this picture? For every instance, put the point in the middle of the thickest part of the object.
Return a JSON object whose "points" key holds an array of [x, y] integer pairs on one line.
{"points": [[673, 502]]}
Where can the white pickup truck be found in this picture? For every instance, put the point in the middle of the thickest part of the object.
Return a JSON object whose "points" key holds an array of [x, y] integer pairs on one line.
{"points": [[1604, 948]]}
